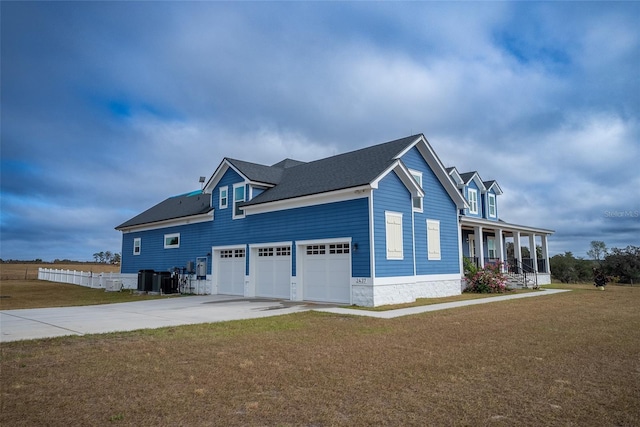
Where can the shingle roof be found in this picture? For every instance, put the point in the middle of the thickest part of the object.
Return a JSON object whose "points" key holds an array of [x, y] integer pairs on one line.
{"points": [[257, 172], [466, 177], [189, 204], [346, 170], [288, 163]]}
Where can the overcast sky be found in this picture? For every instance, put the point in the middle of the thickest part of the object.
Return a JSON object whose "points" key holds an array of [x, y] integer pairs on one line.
{"points": [[109, 108]]}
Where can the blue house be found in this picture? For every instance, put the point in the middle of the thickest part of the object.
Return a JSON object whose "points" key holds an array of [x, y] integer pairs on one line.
{"points": [[381, 225]]}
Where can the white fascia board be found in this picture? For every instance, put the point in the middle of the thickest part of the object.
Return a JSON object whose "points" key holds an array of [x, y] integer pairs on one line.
{"points": [[479, 183], [194, 219], [310, 200], [219, 173], [455, 176], [440, 171], [496, 188], [505, 226], [405, 176]]}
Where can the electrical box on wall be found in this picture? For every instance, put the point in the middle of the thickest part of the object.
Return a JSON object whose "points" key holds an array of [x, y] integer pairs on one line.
{"points": [[201, 268], [190, 267]]}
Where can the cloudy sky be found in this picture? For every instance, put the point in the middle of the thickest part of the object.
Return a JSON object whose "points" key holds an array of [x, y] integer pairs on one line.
{"points": [[109, 108]]}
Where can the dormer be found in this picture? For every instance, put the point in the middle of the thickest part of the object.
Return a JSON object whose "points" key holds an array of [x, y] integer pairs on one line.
{"points": [[490, 202], [473, 189]]}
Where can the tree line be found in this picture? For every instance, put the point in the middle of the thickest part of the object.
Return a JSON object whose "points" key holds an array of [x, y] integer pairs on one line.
{"points": [[619, 265], [107, 257]]}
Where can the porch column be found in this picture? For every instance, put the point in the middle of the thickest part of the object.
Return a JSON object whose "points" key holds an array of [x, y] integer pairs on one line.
{"points": [[479, 246], [532, 250], [500, 247], [517, 252], [545, 253]]}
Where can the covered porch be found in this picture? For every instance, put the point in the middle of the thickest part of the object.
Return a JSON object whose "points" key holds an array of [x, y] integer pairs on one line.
{"points": [[521, 250]]}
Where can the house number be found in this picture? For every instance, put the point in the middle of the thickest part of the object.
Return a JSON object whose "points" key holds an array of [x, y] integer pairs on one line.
{"points": [[361, 280]]}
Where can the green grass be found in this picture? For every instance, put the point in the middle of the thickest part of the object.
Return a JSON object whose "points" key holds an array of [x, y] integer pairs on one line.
{"points": [[19, 294]]}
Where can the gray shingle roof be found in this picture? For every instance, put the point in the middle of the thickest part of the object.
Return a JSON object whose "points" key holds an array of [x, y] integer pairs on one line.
{"points": [[346, 170], [257, 172], [189, 204], [466, 177]]}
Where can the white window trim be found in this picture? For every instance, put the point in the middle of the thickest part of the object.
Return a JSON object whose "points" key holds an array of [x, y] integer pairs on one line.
{"points": [[473, 201], [171, 236], [434, 252], [495, 208], [417, 175], [226, 190], [244, 198], [137, 243], [395, 250]]}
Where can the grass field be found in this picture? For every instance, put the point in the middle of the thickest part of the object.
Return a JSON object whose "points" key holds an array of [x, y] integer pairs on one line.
{"points": [[29, 271], [567, 359]]}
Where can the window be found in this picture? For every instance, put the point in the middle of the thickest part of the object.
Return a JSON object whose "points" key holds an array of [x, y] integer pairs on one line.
{"points": [[433, 240], [473, 201], [339, 248], [492, 205], [417, 201], [491, 247], [316, 249], [172, 241], [137, 244], [238, 197], [394, 235], [224, 197]]}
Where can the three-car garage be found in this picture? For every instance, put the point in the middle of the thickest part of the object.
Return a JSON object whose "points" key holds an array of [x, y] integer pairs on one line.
{"points": [[323, 270]]}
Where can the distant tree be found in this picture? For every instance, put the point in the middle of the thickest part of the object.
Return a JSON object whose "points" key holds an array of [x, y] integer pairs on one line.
{"points": [[568, 269], [108, 256], [116, 259], [623, 264], [598, 250], [96, 256]]}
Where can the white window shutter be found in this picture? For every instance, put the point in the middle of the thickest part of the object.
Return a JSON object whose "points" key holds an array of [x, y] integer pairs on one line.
{"points": [[394, 235], [433, 239]]}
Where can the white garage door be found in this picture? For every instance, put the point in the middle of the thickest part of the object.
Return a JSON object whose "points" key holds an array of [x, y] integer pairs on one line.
{"points": [[273, 272], [231, 268], [327, 272]]}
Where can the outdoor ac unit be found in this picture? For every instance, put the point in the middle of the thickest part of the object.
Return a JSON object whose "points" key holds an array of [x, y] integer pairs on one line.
{"points": [[113, 285]]}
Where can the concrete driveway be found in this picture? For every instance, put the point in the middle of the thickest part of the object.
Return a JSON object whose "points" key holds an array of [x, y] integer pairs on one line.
{"points": [[54, 322], [128, 316]]}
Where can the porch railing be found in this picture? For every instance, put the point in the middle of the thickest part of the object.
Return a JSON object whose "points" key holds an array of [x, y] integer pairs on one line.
{"points": [[525, 269]]}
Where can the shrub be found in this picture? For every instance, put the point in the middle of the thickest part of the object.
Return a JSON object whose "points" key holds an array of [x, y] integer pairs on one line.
{"points": [[487, 280]]}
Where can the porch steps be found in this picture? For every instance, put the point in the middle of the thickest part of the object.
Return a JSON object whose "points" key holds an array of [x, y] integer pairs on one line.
{"points": [[519, 281]]}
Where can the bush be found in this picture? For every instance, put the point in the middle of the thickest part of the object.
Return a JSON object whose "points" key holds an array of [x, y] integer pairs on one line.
{"points": [[487, 280]]}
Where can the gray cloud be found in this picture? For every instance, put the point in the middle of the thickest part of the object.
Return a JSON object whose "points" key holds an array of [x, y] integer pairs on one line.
{"points": [[108, 108]]}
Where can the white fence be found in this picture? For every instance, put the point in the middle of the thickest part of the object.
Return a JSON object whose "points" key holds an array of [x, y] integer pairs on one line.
{"points": [[108, 281]]}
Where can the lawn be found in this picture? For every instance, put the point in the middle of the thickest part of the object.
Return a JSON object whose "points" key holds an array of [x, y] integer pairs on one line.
{"points": [[29, 270], [15, 294], [565, 359]]}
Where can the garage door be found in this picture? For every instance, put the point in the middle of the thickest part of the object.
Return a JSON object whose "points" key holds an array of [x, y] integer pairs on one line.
{"points": [[327, 272], [273, 272], [231, 268]]}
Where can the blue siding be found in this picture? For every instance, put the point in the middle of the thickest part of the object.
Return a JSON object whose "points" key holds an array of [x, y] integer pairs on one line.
{"points": [[392, 195], [195, 241], [436, 205], [332, 220]]}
